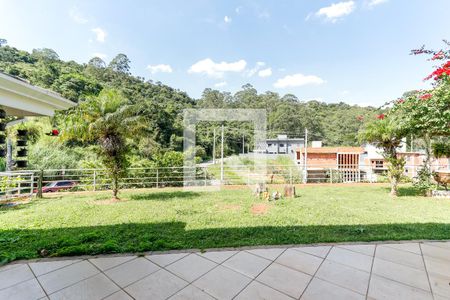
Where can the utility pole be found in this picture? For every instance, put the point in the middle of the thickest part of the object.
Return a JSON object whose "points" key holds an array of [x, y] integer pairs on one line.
{"points": [[243, 143], [221, 160], [214, 146], [305, 169]]}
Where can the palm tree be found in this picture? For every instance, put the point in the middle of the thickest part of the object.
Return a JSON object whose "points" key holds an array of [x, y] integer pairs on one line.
{"points": [[384, 134], [106, 120]]}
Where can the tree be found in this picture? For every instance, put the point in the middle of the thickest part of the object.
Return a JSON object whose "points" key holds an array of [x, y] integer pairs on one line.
{"points": [[107, 121], [120, 64], [384, 133]]}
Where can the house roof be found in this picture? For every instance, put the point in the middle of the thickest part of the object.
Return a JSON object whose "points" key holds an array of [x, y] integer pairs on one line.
{"points": [[332, 150], [20, 98]]}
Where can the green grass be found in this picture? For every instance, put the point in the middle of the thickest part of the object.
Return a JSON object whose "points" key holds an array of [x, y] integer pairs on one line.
{"points": [[76, 224]]}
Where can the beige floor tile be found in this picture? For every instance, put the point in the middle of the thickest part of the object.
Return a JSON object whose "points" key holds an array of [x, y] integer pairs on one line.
{"points": [[259, 291], [28, 290], [105, 263], [191, 293], [440, 285], [321, 290], [218, 256], [404, 274], [10, 267], [284, 279], [222, 283], [247, 264], [159, 285], [320, 251], [270, 254], [66, 276], [436, 252], [440, 244], [386, 289], [437, 266], [399, 256], [350, 258], [344, 276], [131, 271], [120, 295], [300, 261], [410, 247], [96, 287], [363, 249], [191, 267], [15, 275], [40, 268], [165, 259]]}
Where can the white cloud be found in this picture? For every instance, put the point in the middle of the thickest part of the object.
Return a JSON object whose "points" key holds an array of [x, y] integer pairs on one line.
{"points": [[298, 80], [373, 3], [209, 67], [99, 55], [220, 84], [161, 68], [265, 72], [100, 34], [76, 16], [227, 19], [336, 10], [255, 69]]}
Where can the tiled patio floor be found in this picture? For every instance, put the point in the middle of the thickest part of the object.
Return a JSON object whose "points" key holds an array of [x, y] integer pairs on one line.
{"points": [[357, 271]]}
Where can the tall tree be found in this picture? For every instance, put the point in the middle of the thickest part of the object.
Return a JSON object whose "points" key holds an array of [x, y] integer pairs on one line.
{"points": [[384, 133], [107, 121]]}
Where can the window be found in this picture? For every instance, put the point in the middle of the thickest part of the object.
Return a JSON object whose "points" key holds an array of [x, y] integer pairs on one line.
{"points": [[269, 145], [281, 145], [379, 164]]}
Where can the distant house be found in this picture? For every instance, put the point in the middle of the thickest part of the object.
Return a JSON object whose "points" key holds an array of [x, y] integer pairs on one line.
{"points": [[357, 163], [283, 145]]}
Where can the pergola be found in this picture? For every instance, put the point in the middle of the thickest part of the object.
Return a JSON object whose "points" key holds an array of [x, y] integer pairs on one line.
{"points": [[21, 99]]}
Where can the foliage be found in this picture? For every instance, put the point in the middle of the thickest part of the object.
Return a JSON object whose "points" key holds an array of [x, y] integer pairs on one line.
{"points": [[423, 182], [441, 149], [384, 133], [106, 120]]}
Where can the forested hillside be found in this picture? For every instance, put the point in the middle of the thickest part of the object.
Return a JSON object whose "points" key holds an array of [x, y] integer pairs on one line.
{"points": [[334, 124]]}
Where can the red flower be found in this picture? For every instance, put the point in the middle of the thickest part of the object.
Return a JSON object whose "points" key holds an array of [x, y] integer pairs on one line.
{"points": [[380, 116], [444, 70], [55, 132], [400, 101], [439, 55], [426, 96]]}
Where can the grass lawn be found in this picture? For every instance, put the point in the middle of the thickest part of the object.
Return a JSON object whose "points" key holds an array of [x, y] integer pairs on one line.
{"points": [[87, 223]]}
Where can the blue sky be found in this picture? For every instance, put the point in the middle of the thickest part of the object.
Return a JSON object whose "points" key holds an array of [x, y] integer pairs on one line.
{"points": [[352, 51]]}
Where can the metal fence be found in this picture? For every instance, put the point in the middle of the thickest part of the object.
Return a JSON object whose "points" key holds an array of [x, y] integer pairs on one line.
{"points": [[26, 183]]}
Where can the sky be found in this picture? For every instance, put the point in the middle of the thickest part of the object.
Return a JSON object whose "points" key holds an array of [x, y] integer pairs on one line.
{"points": [[351, 51]]}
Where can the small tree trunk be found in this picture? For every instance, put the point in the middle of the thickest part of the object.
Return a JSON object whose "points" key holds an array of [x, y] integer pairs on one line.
{"points": [[115, 187], [394, 187]]}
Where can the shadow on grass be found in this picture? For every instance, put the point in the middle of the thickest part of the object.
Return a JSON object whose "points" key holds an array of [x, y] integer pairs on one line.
{"points": [[140, 237], [175, 195], [406, 191]]}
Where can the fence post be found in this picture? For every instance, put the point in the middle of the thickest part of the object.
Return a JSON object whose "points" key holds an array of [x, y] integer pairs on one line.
{"points": [[39, 187], [331, 175], [32, 184], [94, 183], [290, 175], [204, 173], [157, 178]]}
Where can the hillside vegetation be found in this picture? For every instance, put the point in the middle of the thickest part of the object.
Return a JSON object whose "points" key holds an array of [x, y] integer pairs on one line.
{"points": [[334, 124]]}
